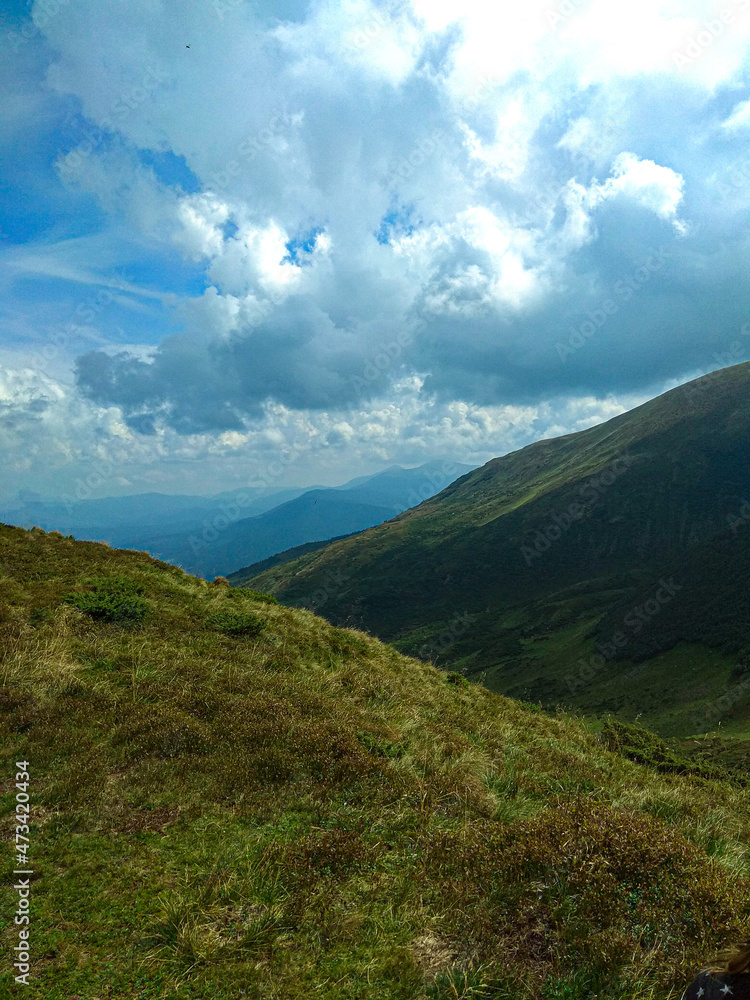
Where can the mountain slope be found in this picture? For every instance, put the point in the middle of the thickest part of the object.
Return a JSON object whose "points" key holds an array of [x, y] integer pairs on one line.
{"points": [[537, 547], [316, 515], [233, 798], [239, 578]]}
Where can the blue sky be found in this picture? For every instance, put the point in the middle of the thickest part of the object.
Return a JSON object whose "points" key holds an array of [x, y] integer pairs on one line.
{"points": [[298, 241]]}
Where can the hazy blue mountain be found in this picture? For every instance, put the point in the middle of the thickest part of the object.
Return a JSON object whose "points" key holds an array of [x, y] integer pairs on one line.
{"points": [[125, 521], [316, 515], [217, 534]]}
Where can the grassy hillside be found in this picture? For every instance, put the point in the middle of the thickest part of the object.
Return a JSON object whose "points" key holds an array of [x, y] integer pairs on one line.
{"points": [[232, 798], [524, 570], [238, 579]]}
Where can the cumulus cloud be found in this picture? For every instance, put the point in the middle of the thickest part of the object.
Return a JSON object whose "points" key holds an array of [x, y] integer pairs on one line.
{"points": [[335, 199], [62, 444], [657, 188]]}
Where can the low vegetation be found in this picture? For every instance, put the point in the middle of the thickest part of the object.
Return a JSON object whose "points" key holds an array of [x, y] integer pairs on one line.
{"points": [[621, 544], [110, 599], [285, 810]]}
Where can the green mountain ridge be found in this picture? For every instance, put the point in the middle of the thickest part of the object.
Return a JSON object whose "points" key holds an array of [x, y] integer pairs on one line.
{"points": [[544, 553], [233, 798]]}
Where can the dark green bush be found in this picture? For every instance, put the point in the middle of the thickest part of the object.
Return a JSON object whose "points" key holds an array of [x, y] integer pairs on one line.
{"points": [[456, 679], [39, 615], [115, 599], [253, 595], [236, 623], [641, 745], [379, 746]]}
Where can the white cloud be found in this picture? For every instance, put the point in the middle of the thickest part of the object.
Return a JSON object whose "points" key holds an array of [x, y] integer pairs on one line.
{"points": [[739, 118], [485, 141], [517, 118], [657, 188], [253, 259], [202, 219], [378, 41], [69, 441], [452, 285]]}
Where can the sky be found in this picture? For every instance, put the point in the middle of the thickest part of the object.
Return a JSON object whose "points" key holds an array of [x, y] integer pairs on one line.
{"points": [[246, 242]]}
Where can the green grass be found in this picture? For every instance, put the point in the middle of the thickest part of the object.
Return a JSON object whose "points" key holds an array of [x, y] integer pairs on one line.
{"points": [[299, 811], [678, 476]]}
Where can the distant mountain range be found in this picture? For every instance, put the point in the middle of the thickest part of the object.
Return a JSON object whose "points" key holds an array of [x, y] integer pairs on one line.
{"points": [[608, 569], [214, 535]]}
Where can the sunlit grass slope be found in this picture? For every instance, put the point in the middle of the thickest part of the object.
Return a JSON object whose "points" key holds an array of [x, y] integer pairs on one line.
{"points": [[231, 798]]}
